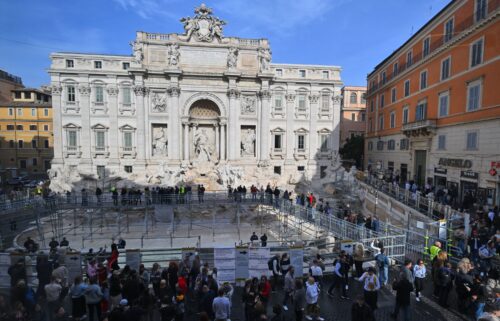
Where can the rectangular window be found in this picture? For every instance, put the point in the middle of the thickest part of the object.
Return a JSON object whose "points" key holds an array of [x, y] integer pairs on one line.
{"points": [[481, 9], [72, 141], [409, 59], [279, 72], [393, 95], [11, 111], [353, 117], [27, 95], [471, 141], [393, 119], [301, 168], [372, 105], [20, 144], [70, 63], [302, 103], [98, 64], [127, 140], [301, 142], [407, 88], [99, 140], [125, 65], [448, 30], [324, 143], [382, 100], [20, 127], [11, 127], [302, 73], [441, 142], [380, 145], [423, 80], [390, 166], [126, 96], [99, 94], [391, 145], [381, 122], [46, 112], [46, 164], [363, 98], [325, 102], [404, 144], [34, 144], [101, 171], [322, 171], [19, 112], [384, 78], [46, 128], [22, 164], [17, 95], [33, 112], [326, 74], [33, 127], [444, 104], [46, 143], [278, 103], [476, 53], [34, 161], [421, 111], [277, 142], [370, 146], [445, 68], [426, 46], [70, 93], [395, 69], [128, 169], [474, 95], [277, 170], [363, 117]]}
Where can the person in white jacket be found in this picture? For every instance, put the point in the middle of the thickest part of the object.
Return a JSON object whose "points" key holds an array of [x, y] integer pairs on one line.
{"points": [[371, 287], [312, 294], [419, 272]]}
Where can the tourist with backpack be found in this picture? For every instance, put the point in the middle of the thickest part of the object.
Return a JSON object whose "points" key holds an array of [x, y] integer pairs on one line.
{"points": [[383, 267], [371, 287], [274, 266], [339, 279]]}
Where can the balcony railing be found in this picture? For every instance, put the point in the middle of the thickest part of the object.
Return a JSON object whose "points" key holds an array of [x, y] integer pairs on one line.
{"points": [[128, 151], [419, 127], [438, 42]]}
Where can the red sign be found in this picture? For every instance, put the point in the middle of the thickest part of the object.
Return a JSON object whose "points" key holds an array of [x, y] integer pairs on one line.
{"points": [[493, 172], [495, 164]]}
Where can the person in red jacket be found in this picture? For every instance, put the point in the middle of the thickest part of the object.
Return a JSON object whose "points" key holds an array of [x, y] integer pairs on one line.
{"points": [[182, 284], [113, 260], [264, 289]]}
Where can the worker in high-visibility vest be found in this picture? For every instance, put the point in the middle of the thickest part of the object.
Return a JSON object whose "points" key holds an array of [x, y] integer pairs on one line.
{"points": [[434, 250]]}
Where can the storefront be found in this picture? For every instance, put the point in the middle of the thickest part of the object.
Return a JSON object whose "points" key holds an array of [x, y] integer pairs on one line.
{"points": [[469, 187], [440, 177]]}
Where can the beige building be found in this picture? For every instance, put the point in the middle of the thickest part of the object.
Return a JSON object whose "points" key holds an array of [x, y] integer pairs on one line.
{"points": [[353, 116], [8, 82]]}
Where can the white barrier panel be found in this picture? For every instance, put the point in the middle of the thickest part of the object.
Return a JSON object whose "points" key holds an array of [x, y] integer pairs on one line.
{"points": [[257, 262], [224, 261], [241, 264], [297, 260]]}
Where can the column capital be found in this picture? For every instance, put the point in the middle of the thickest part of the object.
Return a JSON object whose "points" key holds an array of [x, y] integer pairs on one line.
{"points": [[233, 93], [56, 89], [174, 91], [141, 90], [314, 98], [84, 90], [290, 98], [112, 91], [265, 94]]}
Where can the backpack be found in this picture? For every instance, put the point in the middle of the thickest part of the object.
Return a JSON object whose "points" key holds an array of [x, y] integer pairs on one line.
{"points": [[373, 285], [270, 263]]}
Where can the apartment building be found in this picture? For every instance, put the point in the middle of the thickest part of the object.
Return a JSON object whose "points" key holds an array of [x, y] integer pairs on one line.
{"points": [[433, 105], [26, 140], [353, 111]]}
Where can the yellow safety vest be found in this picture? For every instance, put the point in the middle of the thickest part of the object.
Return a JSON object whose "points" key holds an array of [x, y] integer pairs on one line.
{"points": [[434, 252]]}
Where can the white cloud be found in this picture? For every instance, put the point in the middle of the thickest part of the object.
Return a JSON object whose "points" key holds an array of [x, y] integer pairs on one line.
{"points": [[148, 9]]}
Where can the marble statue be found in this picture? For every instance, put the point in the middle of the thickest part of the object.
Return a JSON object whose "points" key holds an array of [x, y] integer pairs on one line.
{"points": [[173, 55], [232, 58], [265, 59], [160, 141], [229, 175], [159, 103], [202, 147], [248, 143], [137, 50]]}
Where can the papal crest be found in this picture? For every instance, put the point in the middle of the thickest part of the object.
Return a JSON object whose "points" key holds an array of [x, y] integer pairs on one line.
{"points": [[203, 25]]}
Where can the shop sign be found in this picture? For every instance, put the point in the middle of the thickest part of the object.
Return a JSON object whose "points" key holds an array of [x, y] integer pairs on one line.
{"points": [[493, 172], [495, 164], [440, 170], [455, 162], [469, 174]]}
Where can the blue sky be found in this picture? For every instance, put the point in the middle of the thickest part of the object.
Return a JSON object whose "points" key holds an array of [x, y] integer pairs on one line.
{"points": [[354, 34]]}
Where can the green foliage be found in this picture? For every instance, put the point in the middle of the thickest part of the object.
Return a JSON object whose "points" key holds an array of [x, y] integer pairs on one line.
{"points": [[353, 151]]}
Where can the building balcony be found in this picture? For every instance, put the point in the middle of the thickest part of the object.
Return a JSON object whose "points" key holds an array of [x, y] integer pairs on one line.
{"points": [[72, 151], [426, 127], [126, 108], [71, 106], [100, 151], [300, 153], [278, 153], [324, 154], [99, 107], [128, 152]]}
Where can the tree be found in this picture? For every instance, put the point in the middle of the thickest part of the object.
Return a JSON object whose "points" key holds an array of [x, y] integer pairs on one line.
{"points": [[353, 151]]}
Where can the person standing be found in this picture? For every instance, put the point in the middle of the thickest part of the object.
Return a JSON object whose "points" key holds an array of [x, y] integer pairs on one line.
{"points": [[274, 266], [403, 289], [360, 311], [221, 307], [77, 293], [463, 284], [339, 280], [312, 295], [479, 296], [289, 286], [419, 273], [254, 237], [52, 292], [383, 266], [299, 300], [358, 256], [316, 272], [371, 287], [263, 240], [93, 297]]}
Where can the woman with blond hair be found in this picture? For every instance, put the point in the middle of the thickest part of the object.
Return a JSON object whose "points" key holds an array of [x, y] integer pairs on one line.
{"points": [[439, 261], [358, 255], [463, 284]]}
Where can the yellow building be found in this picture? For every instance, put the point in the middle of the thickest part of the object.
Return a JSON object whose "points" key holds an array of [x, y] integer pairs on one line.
{"points": [[26, 140]]}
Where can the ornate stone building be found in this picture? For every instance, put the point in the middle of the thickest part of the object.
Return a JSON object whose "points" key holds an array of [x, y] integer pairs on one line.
{"points": [[193, 107]]}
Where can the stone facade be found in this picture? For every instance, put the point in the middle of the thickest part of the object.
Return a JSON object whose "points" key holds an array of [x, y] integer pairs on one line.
{"points": [[196, 107], [353, 119]]}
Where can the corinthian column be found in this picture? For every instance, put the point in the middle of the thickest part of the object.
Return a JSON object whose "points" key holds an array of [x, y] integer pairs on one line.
{"points": [[140, 93], [265, 96], [186, 141], [223, 140], [290, 139], [174, 129], [233, 143], [313, 131]]}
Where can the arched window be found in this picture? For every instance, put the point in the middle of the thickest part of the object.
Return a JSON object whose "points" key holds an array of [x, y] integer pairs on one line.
{"points": [[354, 98]]}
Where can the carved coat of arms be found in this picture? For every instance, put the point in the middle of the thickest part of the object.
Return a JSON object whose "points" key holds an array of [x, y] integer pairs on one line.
{"points": [[203, 25]]}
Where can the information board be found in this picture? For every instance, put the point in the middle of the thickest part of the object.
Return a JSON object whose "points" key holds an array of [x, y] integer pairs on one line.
{"points": [[133, 257], [241, 264], [297, 260], [257, 262], [224, 261], [73, 262]]}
